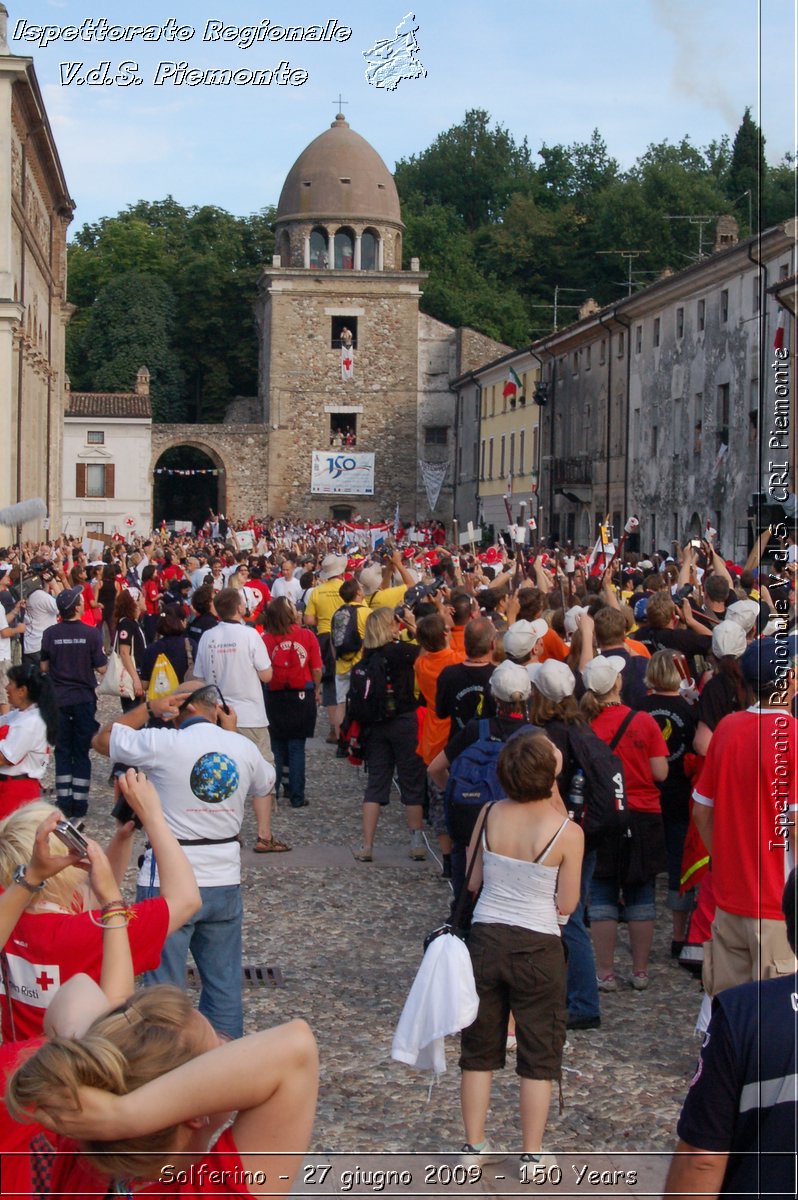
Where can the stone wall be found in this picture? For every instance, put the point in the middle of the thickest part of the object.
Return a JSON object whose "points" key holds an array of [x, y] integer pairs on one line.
{"points": [[241, 451]]}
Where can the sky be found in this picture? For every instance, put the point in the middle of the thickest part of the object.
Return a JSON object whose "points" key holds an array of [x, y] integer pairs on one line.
{"points": [[640, 71]]}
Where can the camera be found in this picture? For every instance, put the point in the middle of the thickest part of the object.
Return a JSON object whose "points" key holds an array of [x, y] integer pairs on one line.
{"points": [[71, 837]]}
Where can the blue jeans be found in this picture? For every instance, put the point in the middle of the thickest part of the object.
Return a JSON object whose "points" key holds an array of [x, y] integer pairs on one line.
{"points": [[76, 728], [213, 935], [290, 752], [583, 994]]}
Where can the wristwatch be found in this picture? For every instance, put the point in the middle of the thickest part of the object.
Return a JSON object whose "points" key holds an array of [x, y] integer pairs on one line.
{"points": [[19, 877]]}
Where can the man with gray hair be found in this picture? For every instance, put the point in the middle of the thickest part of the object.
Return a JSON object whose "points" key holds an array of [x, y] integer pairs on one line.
{"points": [[204, 772]]}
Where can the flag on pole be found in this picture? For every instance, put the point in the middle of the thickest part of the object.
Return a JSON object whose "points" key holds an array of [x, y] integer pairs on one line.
{"points": [[512, 384], [396, 522], [778, 340]]}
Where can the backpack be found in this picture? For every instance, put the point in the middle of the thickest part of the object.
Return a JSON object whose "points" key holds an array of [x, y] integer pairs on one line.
{"points": [[344, 633], [473, 781], [371, 696], [605, 785], [163, 679], [289, 673]]}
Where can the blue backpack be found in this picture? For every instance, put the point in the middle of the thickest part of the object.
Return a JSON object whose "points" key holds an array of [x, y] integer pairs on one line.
{"points": [[473, 781]]}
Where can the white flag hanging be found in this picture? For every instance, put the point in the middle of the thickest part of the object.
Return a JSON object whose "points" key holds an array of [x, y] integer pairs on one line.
{"points": [[433, 475], [347, 362]]}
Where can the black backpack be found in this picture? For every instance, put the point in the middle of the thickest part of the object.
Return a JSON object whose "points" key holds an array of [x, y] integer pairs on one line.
{"points": [[605, 805], [344, 632], [371, 696]]}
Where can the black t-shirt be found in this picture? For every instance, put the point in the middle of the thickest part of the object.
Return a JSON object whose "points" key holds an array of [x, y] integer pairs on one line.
{"points": [[464, 693], [128, 633], [718, 698], [200, 625], [174, 647], [677, 720], [73, 651], [500, 727]]}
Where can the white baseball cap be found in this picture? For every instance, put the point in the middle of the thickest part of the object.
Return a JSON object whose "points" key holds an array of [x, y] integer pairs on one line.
{"points": [[601, 672], [553, 679]]}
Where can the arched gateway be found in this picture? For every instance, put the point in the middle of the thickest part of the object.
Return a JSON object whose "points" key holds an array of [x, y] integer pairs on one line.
{"points": [[195, 468]]}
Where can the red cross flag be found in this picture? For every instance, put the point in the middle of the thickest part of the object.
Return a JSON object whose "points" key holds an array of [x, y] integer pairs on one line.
{"points": [[347, 363]]}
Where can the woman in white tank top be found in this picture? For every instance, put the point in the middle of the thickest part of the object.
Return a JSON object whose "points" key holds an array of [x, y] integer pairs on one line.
{"points": [[529, 859]]}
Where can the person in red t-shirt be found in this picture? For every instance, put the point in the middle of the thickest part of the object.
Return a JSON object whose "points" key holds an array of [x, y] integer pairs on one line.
{"points": [[744, 809], [644, 754], [179, 1087]]}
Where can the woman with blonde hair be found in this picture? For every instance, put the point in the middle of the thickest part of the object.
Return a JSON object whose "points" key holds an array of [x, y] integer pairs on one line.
{"points": [[389, 730], [60, 933]]}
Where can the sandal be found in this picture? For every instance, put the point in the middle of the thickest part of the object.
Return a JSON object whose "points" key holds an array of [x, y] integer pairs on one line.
{"points": [[270, 846]]}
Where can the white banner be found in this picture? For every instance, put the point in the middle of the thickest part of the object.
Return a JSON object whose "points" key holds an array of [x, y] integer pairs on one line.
{"points": [[346, 473], [433, 475], [347, 362], [245, 538], [471, 535]]}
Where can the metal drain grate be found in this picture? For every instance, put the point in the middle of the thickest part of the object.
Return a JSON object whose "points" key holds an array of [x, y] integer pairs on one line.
{"points": [[251, 976]]}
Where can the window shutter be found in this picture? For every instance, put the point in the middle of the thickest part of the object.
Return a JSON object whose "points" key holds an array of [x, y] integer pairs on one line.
{"points": [[110, 474], [80, 480]]}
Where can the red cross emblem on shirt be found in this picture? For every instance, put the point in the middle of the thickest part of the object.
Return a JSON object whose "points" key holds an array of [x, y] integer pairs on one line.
{"points": [[44, 981]]}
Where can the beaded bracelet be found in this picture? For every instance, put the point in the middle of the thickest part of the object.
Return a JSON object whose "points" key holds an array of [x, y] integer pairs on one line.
{"points": [[108, 913]]}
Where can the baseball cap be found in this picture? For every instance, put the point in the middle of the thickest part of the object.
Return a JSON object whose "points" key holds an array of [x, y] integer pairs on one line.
{"points": [[553, 679], [728, 638], [641, 608], [522, 637], [572, 617], [744, 613], [601, 672], [510, 682], [371, 580], [766, 661], [67, 599]]}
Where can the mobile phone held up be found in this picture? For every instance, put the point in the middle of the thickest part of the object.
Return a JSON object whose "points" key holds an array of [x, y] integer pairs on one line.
{"points": [[72, 838]]}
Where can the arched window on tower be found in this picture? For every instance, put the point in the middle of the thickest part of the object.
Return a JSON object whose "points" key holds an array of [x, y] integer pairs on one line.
{"points": [[344, 250], [368, 250], [284, 249], [318, 249]]}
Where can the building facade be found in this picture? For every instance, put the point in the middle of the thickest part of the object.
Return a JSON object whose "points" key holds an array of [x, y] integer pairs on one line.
{"points": [[35, 211], [658, 405], [106, 461]]}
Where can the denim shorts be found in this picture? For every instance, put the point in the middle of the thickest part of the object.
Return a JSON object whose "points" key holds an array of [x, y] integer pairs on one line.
{"points": [[638, 900]]}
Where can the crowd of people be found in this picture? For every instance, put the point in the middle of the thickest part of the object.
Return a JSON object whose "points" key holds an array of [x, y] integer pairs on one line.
{"points": [[566, 726]]}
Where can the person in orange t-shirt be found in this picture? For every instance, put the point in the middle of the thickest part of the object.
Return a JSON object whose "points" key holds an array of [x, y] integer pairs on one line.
{"points": [[436, 653]]}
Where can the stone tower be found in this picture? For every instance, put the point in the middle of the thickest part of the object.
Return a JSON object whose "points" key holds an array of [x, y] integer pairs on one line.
{"points": [[337, 273]]}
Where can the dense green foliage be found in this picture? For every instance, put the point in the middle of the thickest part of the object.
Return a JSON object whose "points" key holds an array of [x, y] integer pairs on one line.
{"points": [[497, 231], [207, 263]]}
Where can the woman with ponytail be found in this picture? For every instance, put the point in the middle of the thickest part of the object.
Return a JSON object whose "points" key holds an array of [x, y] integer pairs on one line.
{"points": [[28, 728]]}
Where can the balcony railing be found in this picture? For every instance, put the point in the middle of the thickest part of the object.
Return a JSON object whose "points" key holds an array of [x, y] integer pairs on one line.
{"points": [[572, 470]]}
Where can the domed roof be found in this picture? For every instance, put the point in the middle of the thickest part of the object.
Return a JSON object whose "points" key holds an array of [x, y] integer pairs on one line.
{"points": [[339, 175]]}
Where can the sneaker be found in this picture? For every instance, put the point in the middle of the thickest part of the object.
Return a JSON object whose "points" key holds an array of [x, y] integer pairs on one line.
{"points": [[534, 1168], [476, 1156], [607, 983], [418, 849], [364, 854], [583, 1023], [639, 981]]}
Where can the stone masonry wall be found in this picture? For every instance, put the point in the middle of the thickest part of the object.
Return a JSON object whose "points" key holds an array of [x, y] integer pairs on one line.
{"points": [[240, 450]]}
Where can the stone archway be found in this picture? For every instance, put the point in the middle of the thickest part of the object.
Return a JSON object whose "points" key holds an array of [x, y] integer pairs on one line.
{"points": [[239, 452], [189, 481]]}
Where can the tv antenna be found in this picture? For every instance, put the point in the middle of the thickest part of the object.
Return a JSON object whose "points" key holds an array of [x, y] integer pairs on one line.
{"points": [[631, 255], [700, 222]]}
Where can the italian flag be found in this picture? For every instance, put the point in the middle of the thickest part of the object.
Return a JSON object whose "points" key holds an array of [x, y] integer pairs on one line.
{"points": [[512, 383], [778, 341]]}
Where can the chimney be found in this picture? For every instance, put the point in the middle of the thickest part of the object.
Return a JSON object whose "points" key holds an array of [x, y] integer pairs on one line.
{"points": [[588, 308], [143, 382], [727, 233]]}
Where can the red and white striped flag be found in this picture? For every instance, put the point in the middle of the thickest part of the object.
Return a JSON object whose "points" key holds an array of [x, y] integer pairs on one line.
{"points": [[778, 340]]}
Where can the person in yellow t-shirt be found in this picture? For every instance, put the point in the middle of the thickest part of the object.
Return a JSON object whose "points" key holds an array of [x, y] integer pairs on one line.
{"points": [[376, 583], [351, 593], [323, 602]]}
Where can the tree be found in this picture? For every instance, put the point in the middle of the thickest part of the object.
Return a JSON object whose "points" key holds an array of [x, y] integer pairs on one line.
{"points": [[470, 168], [748, 170], [132, 325]]}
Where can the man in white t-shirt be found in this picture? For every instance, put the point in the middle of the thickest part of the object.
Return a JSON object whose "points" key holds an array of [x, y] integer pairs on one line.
{"points": [[204, 772], [41, 611], [287, 584]]}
